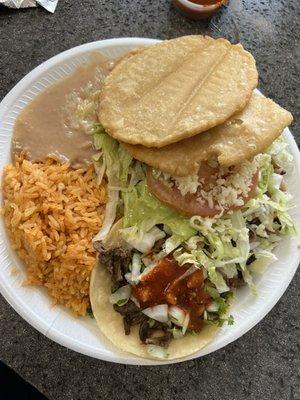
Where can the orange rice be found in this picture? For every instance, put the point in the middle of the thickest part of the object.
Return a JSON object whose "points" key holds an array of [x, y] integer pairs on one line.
{"points": [[52, 213]]}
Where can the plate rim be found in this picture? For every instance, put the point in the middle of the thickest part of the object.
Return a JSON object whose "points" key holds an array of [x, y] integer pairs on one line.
{"points": [[30, 315]]}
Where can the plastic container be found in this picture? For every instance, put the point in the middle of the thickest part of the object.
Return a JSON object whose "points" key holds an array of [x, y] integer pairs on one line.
{"points": [[197, 11]]}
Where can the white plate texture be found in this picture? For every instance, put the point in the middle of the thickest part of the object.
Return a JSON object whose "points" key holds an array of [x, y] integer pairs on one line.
{"points": [[82, 334]]}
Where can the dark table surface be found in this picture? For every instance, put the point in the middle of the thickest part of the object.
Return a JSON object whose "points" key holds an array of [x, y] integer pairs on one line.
{"points": [[264, 363]]}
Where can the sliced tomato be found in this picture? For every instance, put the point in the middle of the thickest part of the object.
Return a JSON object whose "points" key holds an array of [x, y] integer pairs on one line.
{"points": [[193, 204]]}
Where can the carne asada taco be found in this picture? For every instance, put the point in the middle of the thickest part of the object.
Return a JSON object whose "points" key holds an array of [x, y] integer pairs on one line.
{"points": [[122, 320]]}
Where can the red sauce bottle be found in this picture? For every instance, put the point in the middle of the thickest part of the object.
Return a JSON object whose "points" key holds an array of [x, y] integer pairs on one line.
{"points": [[198, 9]]}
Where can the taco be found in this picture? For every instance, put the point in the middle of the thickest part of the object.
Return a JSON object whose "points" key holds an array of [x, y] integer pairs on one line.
{"points": [[123, 322]]}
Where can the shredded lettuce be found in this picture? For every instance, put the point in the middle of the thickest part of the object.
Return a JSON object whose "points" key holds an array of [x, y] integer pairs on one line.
{"points": [[142, 211], [242, 242], [116, 162], [239, 243], [229, 321], [116, 158], [221, 302], [280, 155]]}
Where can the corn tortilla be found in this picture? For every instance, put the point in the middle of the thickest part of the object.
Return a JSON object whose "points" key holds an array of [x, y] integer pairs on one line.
{"points": [[111, 323], [176, 89], [241, 137]]}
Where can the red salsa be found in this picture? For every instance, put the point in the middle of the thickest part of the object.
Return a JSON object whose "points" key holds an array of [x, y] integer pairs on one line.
{"points": [[163, 285], [206, 2], [198, 9]]}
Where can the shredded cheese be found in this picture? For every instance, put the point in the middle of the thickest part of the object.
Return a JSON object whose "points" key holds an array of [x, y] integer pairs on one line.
{"points": [[230, 187], [231, 184]]}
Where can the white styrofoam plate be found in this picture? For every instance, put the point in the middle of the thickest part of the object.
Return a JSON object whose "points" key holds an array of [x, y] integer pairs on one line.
{"points": [[82, 334]]}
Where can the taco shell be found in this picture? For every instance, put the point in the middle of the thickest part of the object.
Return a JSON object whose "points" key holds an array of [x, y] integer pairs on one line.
{"points": [[111, 323]]}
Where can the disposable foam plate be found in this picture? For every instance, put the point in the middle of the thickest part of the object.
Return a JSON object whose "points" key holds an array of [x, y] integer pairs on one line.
{"points": [[81, 334]]}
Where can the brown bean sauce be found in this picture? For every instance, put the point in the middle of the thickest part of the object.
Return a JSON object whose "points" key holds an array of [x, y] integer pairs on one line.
{"points": [[47, 126]]}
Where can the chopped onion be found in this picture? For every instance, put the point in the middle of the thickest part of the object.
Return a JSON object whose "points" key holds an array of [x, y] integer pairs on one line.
{"points": [[157, 351], [136, 267], [213, 307], [185, 323], [277, 179], [157, 233], [120, 296], [177, 333], [110, 215], [177, 315], [128, 278], [147, 270], [159, 313], [172, 243], [135, 300], [133, 277]]}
